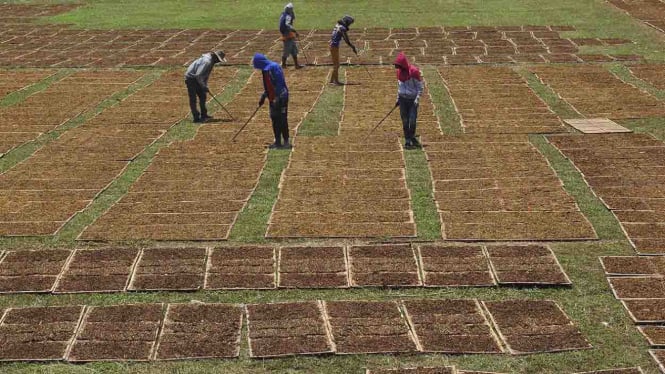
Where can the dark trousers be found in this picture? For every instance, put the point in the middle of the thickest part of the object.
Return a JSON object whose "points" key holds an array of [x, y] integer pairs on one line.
{"points": [[408, 110], [279, 111], [195, 90]]}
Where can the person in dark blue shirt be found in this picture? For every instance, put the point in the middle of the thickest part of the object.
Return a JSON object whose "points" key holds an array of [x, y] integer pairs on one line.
{"points": [[277, 93], [289, 35]]}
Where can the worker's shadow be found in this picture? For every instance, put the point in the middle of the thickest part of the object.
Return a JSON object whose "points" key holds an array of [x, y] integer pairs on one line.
{"points": [[220, 120]]}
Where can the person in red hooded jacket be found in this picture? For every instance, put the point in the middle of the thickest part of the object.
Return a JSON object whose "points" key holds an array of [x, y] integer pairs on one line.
{"points": [[409, 89]]}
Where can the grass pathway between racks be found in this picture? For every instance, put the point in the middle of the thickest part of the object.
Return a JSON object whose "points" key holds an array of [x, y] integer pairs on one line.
{"points": [[603, 221], [20, 95], [24, 151], [183, 130]]}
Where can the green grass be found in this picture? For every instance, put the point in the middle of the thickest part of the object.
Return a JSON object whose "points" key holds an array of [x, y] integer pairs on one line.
{"points": [[449, 120], [653, 126], [591, 17], [252, 222], [20, 95], [603, 221], [623, 72], [22, 152], [324, 119], [419, 181], [557, 104]]}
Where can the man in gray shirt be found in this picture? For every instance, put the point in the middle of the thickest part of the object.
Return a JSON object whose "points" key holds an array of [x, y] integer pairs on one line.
{"points": [[196, 79]]}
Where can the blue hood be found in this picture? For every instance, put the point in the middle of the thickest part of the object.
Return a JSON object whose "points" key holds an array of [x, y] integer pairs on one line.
{"points": [[260, 62]]}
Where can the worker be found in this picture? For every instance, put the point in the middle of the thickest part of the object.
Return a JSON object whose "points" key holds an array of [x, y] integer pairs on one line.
{"points": [[196, 79], [409, 90], [340, 32], [277, 93], [289, 35]]}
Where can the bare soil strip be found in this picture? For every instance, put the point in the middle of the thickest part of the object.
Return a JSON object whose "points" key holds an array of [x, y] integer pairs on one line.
{"points": [[651, 12], [264, 267], [497, 100], [528, 326], [626, 172], [60, 102], [195, 189], [285, 329], [596, 93], [499, 187], [16, 80]]}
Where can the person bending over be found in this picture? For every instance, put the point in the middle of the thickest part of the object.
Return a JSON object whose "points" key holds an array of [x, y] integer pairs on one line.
{"points": [[277, 93], [340, 32], [409, 89], [196, 79]]}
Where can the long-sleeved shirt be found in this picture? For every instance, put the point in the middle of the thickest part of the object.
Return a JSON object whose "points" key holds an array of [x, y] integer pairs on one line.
{"points": [[286, 24], [200, 70], [409, 81], [274, 84]]}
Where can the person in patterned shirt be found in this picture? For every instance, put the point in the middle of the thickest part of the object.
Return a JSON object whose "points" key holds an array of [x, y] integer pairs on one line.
{"points": [[340, 32]]}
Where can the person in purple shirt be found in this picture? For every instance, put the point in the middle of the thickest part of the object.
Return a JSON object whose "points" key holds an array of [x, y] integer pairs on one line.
{"points": [[340, 32]]}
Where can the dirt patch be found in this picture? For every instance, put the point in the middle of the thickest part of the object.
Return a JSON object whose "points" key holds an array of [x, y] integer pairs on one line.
{"points": [[241, 268], [368, 327], [169, 269], [117, 333], [655, 335], [530, 326], [31, 271], [312, 267], [645, 310], [200, 331], [287, 329], [454, 266], [39, 333], [638, 287], [527, 265], [633, 265], [451, 326], [415, 370], [102, 270], [597, 93], [383, 265]]}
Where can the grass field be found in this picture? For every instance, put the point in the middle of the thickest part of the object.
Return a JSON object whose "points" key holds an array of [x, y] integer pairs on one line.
{"points": [[589, 302], [590, 17]]}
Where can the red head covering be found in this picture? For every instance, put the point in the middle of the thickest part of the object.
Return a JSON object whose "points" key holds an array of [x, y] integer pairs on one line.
{"points": [[406, 71]]}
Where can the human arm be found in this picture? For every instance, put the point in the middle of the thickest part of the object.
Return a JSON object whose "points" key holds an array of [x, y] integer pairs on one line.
{"points": [[348, 42], [202, 74]]}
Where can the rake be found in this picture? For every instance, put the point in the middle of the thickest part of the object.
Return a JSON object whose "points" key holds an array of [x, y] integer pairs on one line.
{"points": [[243, 126], [303, 51], [384, 118], [223, 107]]}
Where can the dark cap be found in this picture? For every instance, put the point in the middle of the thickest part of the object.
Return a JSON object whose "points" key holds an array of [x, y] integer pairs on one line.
{"points": [[220, 56]]}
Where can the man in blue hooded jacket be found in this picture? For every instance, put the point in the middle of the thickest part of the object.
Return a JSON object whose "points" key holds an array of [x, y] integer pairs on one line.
{"points": [[275, 90]]}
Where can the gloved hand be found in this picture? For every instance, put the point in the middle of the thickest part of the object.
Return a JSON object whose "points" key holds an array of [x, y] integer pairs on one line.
{"points": [[396, 103], [417, 101], [262, 100], [353, 48], [207, 90], [297, 35]]}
